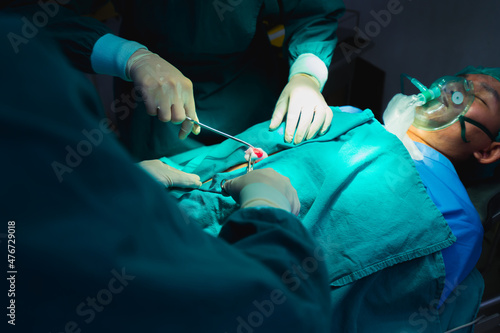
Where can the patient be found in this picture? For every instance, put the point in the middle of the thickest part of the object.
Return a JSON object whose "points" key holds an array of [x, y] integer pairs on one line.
{"points": [[371, 208], [475, 136]]}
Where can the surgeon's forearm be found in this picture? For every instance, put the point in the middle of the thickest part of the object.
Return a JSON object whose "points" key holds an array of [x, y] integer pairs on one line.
{"points": [[278, 241], [111, 53], [75, 34], [312, 37], [311, 65]]}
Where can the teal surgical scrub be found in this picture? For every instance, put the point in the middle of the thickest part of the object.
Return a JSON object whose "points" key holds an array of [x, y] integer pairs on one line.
{"points": [[221, 46], [99, 246]]}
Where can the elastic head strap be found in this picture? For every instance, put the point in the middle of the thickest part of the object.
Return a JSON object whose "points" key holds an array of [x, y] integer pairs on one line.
{"points": [[464, 119]]}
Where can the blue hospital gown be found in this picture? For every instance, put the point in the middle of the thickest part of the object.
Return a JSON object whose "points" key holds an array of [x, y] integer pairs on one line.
{"points": [[449, 195]]}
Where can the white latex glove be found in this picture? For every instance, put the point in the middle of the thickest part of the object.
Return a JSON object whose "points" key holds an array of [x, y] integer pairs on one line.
{"points": [[264, 187], [302, 98], [169, 176], [166, 91]]}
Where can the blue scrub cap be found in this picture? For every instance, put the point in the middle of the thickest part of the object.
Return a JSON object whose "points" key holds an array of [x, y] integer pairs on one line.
{"points": [[491, 71]]}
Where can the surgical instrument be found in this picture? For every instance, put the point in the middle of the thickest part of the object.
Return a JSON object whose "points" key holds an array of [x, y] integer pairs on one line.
{"points": [[250, 163], [220, 132]]}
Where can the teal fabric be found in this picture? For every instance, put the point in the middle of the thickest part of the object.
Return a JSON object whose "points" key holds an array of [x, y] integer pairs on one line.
{"points": [[403, 299], [102, 247], [363, 200], [71, 26], [491, 71], [111, 53], [224, 49], [392, 299], [361, 196], [462, 305], [221, 46]]}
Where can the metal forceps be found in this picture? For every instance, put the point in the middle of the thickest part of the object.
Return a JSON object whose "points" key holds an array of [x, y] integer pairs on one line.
{"points": [[250, 162]]}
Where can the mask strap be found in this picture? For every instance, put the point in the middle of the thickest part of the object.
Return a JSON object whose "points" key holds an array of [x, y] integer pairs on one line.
{"points": [[462, 127], [464, 119]]}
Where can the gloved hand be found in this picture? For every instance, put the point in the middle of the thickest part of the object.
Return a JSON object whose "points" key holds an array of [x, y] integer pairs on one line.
{"points": [[169, 176], [302, 98], [166, 91], [264, 187]]}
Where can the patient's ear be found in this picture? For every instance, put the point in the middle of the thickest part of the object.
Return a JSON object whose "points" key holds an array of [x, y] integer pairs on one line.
{"points": [[488, 155]]}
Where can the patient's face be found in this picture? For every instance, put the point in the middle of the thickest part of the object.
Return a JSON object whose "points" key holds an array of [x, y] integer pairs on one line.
{"points": [[486, 106], [485, 109]]}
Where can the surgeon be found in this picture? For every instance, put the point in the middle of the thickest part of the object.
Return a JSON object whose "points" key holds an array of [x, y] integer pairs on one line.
{"points": [[96, 245], [400, 234], [209, 60]]}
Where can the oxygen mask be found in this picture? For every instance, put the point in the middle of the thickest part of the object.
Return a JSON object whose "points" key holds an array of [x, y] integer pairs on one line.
{"points": [[445, 102]]}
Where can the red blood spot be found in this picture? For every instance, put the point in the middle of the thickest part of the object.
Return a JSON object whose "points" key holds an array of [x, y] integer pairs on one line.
{"points": [[258, 152]]}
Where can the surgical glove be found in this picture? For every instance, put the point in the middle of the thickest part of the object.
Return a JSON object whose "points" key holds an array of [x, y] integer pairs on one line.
{"points": [[302, 98], [264, 187], [167, 93], [169, 176]]}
